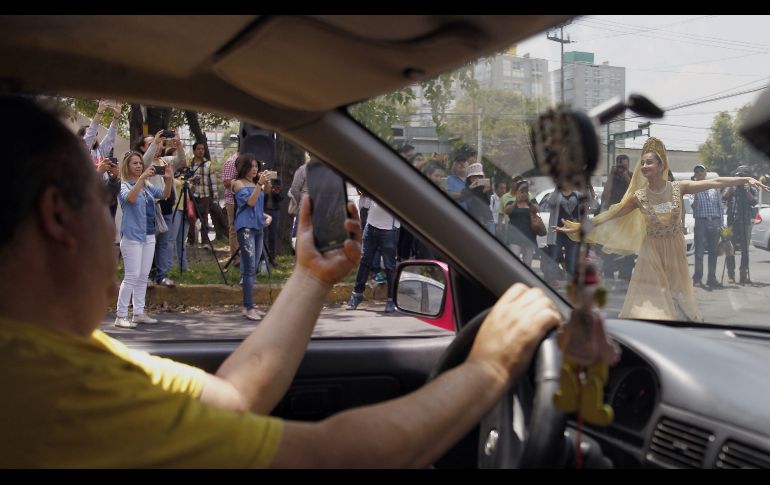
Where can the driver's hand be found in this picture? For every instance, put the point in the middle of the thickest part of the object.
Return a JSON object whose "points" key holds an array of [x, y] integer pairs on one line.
{"points": [[333, 265], [513, 329]]}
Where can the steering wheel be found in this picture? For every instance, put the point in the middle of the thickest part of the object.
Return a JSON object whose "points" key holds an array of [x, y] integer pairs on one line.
{"points": [[523, 430]]}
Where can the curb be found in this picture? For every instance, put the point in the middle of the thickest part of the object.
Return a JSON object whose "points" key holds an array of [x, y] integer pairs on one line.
{"points": [[219, 295]]}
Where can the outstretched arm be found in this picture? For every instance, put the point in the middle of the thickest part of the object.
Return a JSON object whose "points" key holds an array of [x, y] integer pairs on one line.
{"points": [[695, 186], [629, 205], [257, 374]]}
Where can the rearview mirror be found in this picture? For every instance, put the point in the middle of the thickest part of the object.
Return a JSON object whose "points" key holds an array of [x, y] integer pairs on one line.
{"points": [[422, 290]]}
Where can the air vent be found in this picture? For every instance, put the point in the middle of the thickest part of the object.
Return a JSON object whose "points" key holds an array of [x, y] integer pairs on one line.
{"points": [[737, 455], [679, 444]]}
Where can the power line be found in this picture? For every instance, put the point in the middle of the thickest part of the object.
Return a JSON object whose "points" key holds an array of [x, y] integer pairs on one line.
{"points": [[682, 37]]}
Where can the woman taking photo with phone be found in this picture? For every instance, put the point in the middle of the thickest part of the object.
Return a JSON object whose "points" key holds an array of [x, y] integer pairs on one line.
{"points": [[249, 190], [137, 234]]}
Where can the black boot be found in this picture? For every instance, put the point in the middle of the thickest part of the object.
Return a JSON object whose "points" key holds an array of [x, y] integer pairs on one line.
{"points": [[744, 278]]}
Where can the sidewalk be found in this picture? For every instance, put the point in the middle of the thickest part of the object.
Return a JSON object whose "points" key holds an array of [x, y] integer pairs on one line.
{"points": [[220, 295]]}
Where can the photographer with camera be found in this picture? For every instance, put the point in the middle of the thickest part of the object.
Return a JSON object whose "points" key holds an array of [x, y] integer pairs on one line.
{"points": [[614, 189], [159, 154], [249, 190], [137, 234], [204, 189]]}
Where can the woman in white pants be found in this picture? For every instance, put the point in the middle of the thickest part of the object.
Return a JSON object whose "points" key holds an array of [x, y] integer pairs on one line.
{"points": [[137, 234]]}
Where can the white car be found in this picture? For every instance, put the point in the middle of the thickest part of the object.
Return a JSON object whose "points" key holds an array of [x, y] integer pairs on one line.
{"points": [[760, 233]]}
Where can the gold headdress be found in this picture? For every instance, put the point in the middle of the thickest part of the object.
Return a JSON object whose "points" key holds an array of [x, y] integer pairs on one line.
{"points": [[657, 147]]}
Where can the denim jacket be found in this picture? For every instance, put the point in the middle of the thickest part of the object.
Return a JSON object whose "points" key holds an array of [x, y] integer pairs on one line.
{"points": [[134, 223]]}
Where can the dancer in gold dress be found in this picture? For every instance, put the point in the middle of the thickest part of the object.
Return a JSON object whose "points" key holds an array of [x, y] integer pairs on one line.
{"points": [[648, 221]]}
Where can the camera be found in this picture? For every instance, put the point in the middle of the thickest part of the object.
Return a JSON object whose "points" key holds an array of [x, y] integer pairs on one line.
{"points": [[186, 173], [168, 134], [159, 169]]}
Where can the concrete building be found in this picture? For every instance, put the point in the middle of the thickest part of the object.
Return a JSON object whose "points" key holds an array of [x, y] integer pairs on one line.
{"points": [[586, 85], [525, 75]]}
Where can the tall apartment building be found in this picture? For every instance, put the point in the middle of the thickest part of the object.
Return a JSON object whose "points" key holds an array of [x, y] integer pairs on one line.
{"points": [[587, 85], [524, 74]]}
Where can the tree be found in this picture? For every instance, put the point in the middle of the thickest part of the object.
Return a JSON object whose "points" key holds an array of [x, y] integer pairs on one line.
{"points": [[381, 113], [725, 149], [504, 117]]}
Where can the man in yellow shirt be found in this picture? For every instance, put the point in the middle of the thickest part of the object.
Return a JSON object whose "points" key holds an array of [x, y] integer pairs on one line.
{"points": [[74, 397]]}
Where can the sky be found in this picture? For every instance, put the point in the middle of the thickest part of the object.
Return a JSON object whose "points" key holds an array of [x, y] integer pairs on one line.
{"points": [[672, 60]]}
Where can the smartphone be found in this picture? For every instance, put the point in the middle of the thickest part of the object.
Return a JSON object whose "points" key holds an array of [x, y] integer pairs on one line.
{"points": [[272, 174], [328, 205], [483, 182], [113, 160], [168, 134], [160, 169]]}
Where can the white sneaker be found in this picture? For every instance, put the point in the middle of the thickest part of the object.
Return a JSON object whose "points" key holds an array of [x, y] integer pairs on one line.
{"points": [[143, 318], [253, 314], [123, 322]]}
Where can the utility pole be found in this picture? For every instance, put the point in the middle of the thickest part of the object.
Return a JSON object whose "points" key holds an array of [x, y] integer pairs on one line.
{"points": [[561, 40]]}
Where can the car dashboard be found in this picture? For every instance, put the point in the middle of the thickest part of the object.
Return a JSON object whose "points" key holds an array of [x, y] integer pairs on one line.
{"points": [[687, 397]]}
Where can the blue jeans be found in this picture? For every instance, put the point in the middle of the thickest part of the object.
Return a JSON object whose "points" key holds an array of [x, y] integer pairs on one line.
{"points": [[570, 253], [163, 257], [706, 239], [383, 241], [178, 228], [250, 241]]}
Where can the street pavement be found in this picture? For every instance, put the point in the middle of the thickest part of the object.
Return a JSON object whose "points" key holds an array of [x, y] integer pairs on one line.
{"points": [[228, 323], [733, 304]]}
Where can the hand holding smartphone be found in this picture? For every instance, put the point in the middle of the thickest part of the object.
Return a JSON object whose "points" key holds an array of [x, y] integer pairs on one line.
{"points": [[328, 206]]}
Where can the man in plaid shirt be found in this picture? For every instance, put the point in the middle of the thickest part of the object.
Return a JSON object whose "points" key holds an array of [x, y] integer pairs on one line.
{"points": [[204, 191], [228, 174], [707, 211]]}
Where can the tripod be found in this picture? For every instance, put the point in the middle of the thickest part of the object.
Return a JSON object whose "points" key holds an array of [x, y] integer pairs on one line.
{"points": [[182, 198]]}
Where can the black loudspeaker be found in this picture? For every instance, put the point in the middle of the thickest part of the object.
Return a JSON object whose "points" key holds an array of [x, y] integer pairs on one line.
{"points": [[259, 142]]}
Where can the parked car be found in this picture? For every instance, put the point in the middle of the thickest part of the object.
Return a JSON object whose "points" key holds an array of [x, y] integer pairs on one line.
{"points": [[685, 394], [760, 232]]}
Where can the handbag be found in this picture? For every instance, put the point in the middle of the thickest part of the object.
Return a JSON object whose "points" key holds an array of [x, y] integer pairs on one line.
{"points": [[293, 206], [160, 223], [190, 209], [538, 226]]}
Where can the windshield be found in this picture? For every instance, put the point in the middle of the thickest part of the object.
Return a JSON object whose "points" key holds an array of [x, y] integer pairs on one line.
{"points": [[700, 257]]}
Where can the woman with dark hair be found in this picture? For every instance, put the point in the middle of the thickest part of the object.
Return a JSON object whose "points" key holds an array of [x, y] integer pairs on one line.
{"points": [[137, 234], [521, 212], [249, 190]]}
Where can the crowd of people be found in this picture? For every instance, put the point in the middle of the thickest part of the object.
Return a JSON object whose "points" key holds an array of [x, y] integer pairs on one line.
{"points": [[154, 225], [637, 232], [633, 203]]}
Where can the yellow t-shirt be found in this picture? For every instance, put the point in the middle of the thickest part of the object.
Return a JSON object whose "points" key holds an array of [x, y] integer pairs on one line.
{"points": [[69, 401]]}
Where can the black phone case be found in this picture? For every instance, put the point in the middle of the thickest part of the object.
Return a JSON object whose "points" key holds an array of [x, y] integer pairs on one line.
{"points": [[321, 243]]}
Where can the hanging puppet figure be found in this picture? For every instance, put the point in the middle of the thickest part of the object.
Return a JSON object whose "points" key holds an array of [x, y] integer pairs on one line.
{"points": [[588, 353]]}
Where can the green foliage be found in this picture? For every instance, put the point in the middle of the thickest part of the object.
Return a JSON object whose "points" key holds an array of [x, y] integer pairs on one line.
{"points": [[725, 149], [504, 117], [87, 107], [380, 113]]}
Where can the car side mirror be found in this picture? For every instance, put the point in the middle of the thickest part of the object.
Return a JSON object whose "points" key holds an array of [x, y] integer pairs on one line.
{"points": [[423, 291]]}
